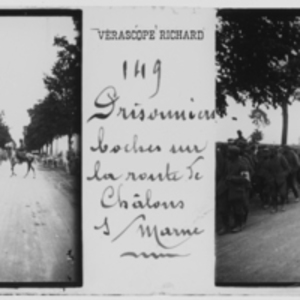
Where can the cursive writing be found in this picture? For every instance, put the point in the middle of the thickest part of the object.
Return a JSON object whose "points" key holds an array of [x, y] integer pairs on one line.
{"points": [[105, 176], [132, 147], [141, 114], [108, 200], [105, 99], [158, 234]]}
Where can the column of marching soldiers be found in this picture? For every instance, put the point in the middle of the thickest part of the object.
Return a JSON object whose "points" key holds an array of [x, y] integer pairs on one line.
{"points": [[248, 172]]}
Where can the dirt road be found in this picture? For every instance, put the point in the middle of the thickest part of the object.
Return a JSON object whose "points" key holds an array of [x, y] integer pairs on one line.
{"points": [[39, 226], [267, 251]]}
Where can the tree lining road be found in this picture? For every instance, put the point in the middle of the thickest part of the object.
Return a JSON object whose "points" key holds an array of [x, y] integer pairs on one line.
{"points": [[40, 231]]}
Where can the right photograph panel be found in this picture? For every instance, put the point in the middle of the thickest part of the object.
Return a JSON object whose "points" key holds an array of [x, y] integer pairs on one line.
{"points": [[258, 147]]}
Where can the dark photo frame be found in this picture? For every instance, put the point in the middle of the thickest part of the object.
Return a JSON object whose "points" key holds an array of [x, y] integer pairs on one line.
{"points": [[257, 181], [42, 214]]}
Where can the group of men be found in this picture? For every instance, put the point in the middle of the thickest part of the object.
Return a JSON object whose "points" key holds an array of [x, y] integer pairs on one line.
{"points": [[245, 171]]}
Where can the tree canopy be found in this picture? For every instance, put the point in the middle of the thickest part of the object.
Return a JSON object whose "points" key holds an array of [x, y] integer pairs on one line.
{"points": [[256, 136], [259, 117], [59, 112], [258, 58], [4, 131]]}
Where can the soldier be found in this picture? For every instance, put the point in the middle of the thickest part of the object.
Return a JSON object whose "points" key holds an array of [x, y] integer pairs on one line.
{"points": [[294, 164], [22, 146], [240, 137], [278, 170], [238, 179], [245, 153], [261, 182], [21, 150], [247, 158]]}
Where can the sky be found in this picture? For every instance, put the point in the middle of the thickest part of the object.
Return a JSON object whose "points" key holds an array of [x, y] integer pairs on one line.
{"points": [[227, 127], [27, 53]]}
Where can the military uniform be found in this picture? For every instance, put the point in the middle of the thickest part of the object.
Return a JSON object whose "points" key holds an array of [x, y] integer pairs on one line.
{"points": [[294, 165], [278, 170], [262, 175]]}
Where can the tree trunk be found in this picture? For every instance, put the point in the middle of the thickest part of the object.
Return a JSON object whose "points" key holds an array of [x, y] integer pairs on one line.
{"points": [[285, 120], [51, 147]]}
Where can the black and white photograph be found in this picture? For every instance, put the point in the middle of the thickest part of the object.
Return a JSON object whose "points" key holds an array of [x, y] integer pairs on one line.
{"points": [[40, 147], [258, 147]]}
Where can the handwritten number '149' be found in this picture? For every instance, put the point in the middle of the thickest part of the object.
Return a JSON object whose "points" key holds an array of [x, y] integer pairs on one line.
{"points": [[141, 70]]}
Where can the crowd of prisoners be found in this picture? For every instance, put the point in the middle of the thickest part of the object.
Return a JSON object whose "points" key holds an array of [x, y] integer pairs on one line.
{"points": [[248, 171]]}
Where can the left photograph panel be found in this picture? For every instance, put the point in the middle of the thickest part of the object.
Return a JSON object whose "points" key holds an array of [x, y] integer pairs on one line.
{"points": [[40, 148]]}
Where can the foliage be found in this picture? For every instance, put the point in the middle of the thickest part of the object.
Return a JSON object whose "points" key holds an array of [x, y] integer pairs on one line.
{"points": [[256, 136], [4, 131], [259, 117], [258, 58], [58, 113], [47, 121]]}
